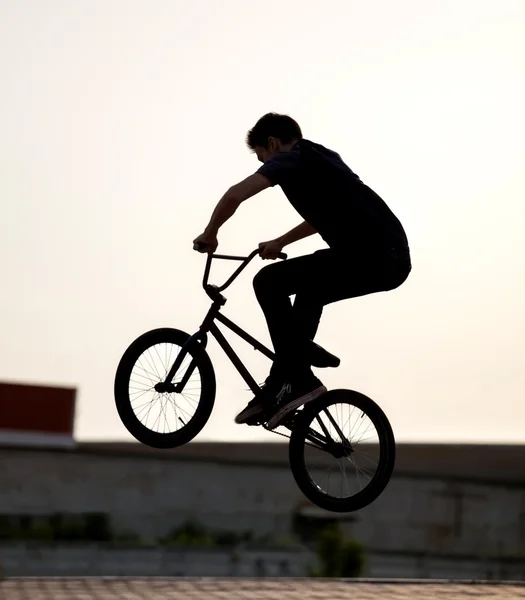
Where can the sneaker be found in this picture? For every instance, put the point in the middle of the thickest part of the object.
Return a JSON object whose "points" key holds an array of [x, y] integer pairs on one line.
{"points": [[293, 395], [256, 407], [250, 414]]}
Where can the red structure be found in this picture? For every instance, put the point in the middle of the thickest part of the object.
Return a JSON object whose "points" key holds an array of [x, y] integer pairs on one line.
{"points": [[36, 415]]}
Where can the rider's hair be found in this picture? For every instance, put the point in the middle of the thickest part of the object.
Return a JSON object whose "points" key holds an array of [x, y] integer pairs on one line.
{"points": [[282, 127]]}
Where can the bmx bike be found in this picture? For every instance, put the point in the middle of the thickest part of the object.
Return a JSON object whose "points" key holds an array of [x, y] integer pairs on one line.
{"points": [[165, 389]]}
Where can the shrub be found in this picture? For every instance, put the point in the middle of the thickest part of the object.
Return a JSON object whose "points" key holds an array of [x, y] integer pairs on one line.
{"points": [[6, 529], [97, 528], [190, 533], [39, 532], [338, 556]]}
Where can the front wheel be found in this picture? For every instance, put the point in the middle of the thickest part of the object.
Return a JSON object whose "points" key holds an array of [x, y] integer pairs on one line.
{"points": [[342, 451], [164, 418]]}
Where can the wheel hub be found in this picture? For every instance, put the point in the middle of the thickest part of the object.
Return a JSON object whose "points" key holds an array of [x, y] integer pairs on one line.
{"points": [[340, 450], [165, 388]]}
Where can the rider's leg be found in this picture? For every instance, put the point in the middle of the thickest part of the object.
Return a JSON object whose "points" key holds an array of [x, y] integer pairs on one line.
{"points": [[290, 326], [273, 289], [317, 279], [296, 354], [307, 311]]}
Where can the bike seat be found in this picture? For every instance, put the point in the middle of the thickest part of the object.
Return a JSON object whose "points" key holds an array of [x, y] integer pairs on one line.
{"points": [[320, 357]]}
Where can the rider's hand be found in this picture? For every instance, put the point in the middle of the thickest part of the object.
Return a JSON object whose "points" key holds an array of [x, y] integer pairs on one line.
{"points": [[209, 241], [270, 250]]}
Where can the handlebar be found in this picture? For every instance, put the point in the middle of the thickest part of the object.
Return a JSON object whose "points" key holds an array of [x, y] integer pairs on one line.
{"points": [[245, 260]]}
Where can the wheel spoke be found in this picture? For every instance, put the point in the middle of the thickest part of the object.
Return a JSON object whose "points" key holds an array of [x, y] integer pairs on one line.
{"points": [[150, 407], [153, 367], [141, 394], [369, 458], [336, 427], [149, 375], [357, 452], [164, 369], [161, 412]]}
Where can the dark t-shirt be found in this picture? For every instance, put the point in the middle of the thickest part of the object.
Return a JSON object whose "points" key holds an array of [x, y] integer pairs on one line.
{"points": [[333, 199]]}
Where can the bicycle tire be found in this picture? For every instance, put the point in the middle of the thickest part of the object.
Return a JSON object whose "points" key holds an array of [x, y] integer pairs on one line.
{"points": [[301, 424], [121, 390]]}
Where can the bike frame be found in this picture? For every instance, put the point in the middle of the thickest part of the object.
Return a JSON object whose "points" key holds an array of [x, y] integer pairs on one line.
{"points": [[209, 326]]}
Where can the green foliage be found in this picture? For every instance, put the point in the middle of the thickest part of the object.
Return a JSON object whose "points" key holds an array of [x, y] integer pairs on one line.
{"points": [[232, 538], [190, 533], [97, 527], [56, 527], [66, 528], [308, 529], [42, 532], [134, 539], [5, 528], [285, 541], [339, 557], [193, 533]]}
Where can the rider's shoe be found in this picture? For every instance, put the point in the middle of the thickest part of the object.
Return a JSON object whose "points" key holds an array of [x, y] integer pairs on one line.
{"points": [[292, 395], [250, 415], [256, 407], [319, 357]]}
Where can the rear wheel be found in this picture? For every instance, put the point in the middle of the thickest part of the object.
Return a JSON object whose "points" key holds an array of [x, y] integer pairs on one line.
{"points": [[156, 417], [342, 451]]}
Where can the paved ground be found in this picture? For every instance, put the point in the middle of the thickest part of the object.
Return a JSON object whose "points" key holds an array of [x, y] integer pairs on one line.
{"points": [[251, 589]]}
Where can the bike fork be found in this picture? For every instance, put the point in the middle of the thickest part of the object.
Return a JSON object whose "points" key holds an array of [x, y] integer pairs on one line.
{"points": [[200, 337], [196, 338]]}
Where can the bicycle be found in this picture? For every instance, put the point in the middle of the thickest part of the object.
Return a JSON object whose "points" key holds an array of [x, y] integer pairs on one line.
{"points": [[177, 391]]}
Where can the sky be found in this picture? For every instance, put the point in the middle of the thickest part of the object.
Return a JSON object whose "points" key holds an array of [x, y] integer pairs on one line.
{"points": [[123, 122]]}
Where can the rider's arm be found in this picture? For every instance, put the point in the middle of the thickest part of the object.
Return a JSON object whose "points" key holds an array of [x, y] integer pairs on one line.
{"points": [[297, 233], [231, 200]]}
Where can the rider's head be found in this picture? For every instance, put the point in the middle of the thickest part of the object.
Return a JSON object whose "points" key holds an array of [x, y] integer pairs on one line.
{"points": [[271, 134]]}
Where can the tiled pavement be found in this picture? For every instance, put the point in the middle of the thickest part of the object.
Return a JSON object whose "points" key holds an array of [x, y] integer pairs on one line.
{"points": [[252, 589]]}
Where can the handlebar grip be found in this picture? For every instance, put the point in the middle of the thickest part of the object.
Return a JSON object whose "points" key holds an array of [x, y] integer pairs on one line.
{"points": [[282, 255]]}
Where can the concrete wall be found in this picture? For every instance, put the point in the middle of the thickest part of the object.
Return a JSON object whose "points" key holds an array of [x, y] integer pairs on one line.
{"points": [[19, 560], [445, 517], [151, 495], [147, 496]]}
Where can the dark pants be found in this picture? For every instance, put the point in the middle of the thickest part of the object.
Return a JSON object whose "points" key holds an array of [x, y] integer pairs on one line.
{"points": [[318, 279]]}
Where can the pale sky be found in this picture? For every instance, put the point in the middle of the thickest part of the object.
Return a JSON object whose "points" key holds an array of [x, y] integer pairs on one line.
{"points": [[123, 122]]}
